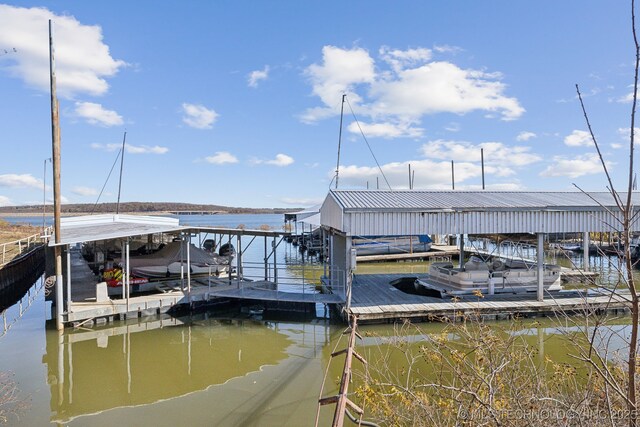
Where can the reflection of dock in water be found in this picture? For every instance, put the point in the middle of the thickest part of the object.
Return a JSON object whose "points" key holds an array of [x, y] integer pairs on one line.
{"points": [[91, 371]]}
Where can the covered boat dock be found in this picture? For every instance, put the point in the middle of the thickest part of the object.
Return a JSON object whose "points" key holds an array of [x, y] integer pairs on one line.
{"points": [[349, 213], [85, 296]]}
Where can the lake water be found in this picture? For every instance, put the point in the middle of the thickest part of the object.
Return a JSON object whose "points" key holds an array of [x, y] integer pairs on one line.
{"points": [[226, 369]]}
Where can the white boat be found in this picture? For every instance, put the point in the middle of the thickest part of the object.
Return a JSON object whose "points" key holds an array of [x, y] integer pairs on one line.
{"points": [[381, 245], [488, 278], [171, 260]]}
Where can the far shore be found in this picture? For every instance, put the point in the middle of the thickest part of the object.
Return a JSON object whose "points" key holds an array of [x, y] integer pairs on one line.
{"points": [[50, 215]]}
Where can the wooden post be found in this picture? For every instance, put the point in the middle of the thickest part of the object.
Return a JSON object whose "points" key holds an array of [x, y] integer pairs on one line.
{"points": [[55, 136]]}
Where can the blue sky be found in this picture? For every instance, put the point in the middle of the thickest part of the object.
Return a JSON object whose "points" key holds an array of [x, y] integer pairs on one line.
{"points": [[238, 103]]}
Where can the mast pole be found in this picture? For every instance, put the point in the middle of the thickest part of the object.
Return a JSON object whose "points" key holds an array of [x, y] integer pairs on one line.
{"points": [[55, 146], [453, 180], [482, 162], [121, 164], [344, 95]]}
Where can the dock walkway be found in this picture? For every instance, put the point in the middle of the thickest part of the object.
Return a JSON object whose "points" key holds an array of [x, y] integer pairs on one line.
{"points": [[374, 299]]}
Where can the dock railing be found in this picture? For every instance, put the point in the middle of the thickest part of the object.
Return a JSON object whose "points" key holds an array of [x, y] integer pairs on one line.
{"points": [[306, 279], [17, 248]]}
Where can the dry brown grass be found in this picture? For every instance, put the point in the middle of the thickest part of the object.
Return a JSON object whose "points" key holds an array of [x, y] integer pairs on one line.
{"points": [[11, 232]]}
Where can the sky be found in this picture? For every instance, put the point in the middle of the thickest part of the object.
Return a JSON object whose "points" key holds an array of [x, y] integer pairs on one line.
{"points": [[238, 103]]}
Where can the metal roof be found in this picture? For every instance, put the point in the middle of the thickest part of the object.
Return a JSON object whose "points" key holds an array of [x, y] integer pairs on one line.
{"points": [[380, 212], [300, 215], [103, 227], [93, 228], [472, 200]]}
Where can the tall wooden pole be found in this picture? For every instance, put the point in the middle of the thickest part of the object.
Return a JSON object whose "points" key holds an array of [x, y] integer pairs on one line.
{"points": [[55, 137]]}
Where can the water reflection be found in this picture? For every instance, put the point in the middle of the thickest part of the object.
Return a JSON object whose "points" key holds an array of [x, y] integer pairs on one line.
{"points": [[90, 371]]}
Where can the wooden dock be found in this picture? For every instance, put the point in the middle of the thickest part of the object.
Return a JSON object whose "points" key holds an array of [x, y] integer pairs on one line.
{"points": [[173, 293], [375, 300]]}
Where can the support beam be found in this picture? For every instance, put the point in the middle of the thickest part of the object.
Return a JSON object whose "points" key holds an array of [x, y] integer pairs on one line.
{"points": [[461, 245], [126, 277], [239, 272], [189, 268], [585, 251], [540, 266], [68, 278]]}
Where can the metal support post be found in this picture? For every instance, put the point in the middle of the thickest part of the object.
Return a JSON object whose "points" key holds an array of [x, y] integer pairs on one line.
{"points": [[68, 277], [540, 266], [189, 268], [266, 267], [275, 263], [585, 251]]}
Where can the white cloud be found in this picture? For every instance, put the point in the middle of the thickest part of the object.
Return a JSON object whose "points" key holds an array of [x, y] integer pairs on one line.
{"points": [[5, 201], [616, 146], [84, 191], [447, 49], [145, 149], [132, 149], [626, 99], [386, 130], [256, 76], [428, 174], [587, 164], [280, 160], [578, 138], [408, 88], [198, 116], [221, 158], [525, 136], [96, 114], [401, 59], [434, 170], [299, 202], [83, 60], [20, 181], [495, 153], [341, 70], [625, 132], [453, 127]]}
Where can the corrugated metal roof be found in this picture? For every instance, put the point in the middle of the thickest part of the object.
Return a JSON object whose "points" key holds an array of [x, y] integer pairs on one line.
{"points": [[473, 200], [103, 227]]}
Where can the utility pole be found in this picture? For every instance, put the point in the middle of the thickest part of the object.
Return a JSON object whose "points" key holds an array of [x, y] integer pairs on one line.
{"points": [[55, 137]]}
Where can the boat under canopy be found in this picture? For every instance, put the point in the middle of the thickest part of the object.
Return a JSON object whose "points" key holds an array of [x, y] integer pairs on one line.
{"points": [[172, 259]]}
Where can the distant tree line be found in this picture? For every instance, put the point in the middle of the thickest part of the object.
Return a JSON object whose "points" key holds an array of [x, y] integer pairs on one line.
{"points": [[142, 207]]}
